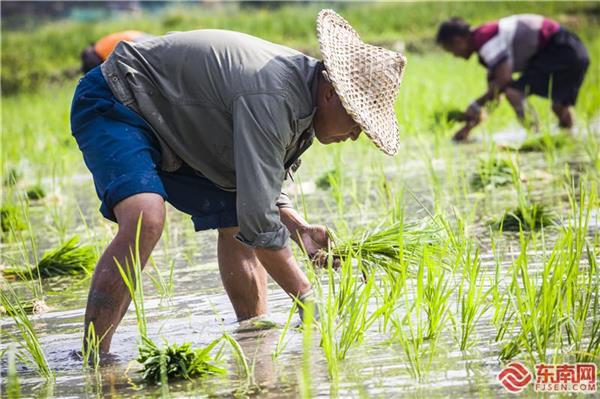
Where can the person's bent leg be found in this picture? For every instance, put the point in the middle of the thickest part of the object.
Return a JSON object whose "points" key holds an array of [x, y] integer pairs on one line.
{"points": [[564, 113], [243, 276], [109, 298]]}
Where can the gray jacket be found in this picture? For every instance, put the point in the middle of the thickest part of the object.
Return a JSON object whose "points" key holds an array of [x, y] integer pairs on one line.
{"points": [[236, 108]]}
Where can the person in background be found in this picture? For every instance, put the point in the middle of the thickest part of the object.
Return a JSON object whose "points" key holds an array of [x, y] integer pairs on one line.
{"points": [[98, 52], [551, 60]]}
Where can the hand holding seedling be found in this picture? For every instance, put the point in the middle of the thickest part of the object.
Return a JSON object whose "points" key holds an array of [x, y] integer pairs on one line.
{"points": [[316, 241]]}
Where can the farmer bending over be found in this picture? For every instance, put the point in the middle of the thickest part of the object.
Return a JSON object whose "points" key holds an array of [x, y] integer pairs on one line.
{"points": [[98, 52], [213, 121], [552, 62]]}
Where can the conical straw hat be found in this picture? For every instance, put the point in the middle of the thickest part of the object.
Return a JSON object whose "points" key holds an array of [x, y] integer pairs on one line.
{"points": [[366, 78]]}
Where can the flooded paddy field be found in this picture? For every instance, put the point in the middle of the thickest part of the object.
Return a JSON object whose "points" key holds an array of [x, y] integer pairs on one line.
{"points": [[498, 251]]}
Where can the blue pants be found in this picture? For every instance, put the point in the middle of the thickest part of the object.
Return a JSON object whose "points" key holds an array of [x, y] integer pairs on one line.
{"points": [[121, 151]]}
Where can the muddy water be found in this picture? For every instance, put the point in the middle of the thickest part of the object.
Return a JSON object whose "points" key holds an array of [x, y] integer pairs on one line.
{"points": [[199, 312]]}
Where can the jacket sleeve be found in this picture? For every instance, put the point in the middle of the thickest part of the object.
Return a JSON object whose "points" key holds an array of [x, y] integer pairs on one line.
{"points": [[262, 129]]}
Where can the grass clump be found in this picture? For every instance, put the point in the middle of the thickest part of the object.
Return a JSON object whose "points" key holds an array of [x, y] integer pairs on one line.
{"points": [[11, 219], [529, 217], [69, 259], [546, 142], [35, 192], [493, 172], [175, 361]]}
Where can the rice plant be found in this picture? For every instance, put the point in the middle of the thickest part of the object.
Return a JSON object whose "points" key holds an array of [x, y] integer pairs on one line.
{"points": [[13, 388], [449, 115], [324, 181], [492, 172], [281, 343], [11, 178], [176, 361], [32, 307], [29, 340], [35, 193], [546, 142], [471, 296], [11, 219], [68, 259], [528, 217], [388, 246]]}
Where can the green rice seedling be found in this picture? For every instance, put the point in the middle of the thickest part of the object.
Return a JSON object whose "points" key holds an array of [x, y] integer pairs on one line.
{"points": [[11, 219], [436, 294], [527, 217], [174, 361], [449, 115], [472, 302], [30, 307], [164, 287], [307, 340], [552, 303], [546, 142], [13, 388], [327, 323], [132, 278], [68, 259], [91, 348], [250, 386], [35, 192], [492, 172], [323, 182], [29, 340], [281, 344], [411, 330], [11, 178]]}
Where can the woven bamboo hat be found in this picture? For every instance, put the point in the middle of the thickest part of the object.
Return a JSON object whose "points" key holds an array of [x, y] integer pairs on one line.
{"points": [[365, 77]]}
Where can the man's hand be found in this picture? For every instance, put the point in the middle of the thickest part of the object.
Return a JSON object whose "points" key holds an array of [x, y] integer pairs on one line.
{"points": [[316, 241]]}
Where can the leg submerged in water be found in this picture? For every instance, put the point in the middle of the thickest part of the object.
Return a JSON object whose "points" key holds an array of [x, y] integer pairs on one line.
{"points": [[243, 276], [108, 298]]}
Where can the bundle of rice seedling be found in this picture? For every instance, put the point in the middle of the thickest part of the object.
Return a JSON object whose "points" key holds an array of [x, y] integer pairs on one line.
{"points": [[175, 361], [450, 115], [325, 180], [68, 259], [11, 219], [545, 142], [492, 172], [33, 307], [35, 193], [528, 217], [387, 246], [11, 178]]}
